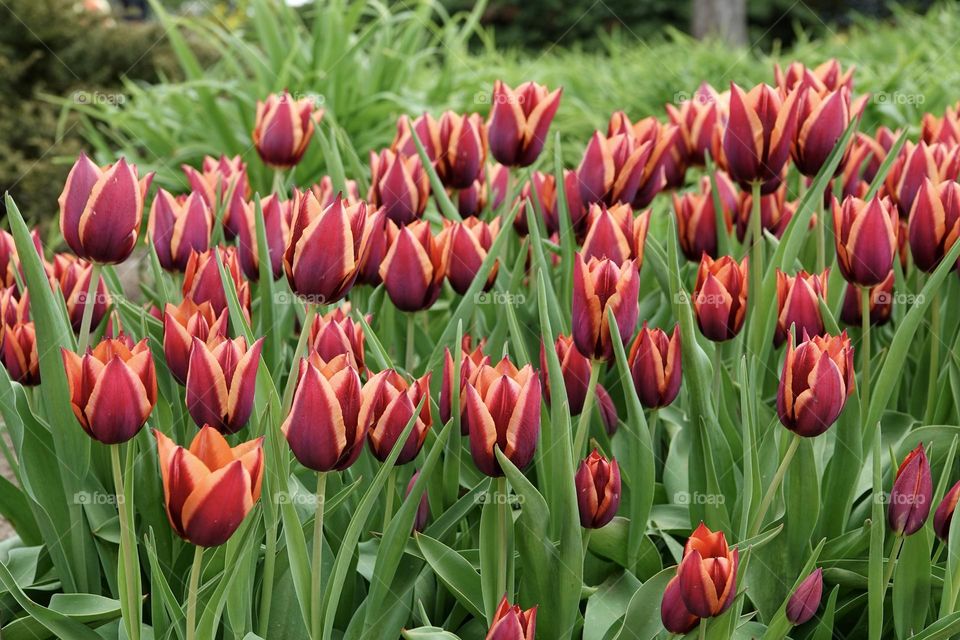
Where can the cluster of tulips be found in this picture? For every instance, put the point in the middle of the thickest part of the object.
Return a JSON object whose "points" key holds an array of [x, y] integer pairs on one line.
{"points": [[337, 249]]}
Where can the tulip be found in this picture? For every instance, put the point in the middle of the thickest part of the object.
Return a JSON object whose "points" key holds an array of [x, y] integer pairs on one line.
{"points": [[184, 322], [828, 76], [326, 194], [177, 227], [470, 361], [18, 352], [210, 487], [399, 184], [217, 178], [72, 275], [821, 122], [463, 149], [599, 286], [335, 333], [674, 615], [911, 494], [697, 119], [666, 166], [101, 209], [944, 513], [574, 367], [598, 490], [425, 128], [817, 379], [413, 268], [775, 213], [805, 601], [488, 190], [914, 164], [423, 509], [947, 160], [325, 249], [283, 128], [510, 622], [323, 428], [14, 308], [377, 240], [503, 411], [655, 366], [881, 303], [519, 120], [614, 233], [613, 168], [944, 129], [865, 234], [202, 283], [934, 223], [708, 573], [113, 388], [278, 217], [221, 383], [798, 304], [543, 186], [10, 261], [758, 135], [388, 402], [466, 245], [697, 217], [720, 297]]}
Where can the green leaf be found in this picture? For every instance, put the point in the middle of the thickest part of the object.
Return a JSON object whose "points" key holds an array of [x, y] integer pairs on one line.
{"points": [[81, 607], [59, 624], [455, 572], [642, 619], [428, 633], [911, 584]]}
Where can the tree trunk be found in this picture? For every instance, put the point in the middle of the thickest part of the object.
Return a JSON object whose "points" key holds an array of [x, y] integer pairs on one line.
{"points": [[723, 19]]}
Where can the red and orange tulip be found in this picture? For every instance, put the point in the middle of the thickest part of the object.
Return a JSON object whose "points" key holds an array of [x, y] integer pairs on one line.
{"points": [[463, 149], [598, 490], [817, 379], [865, 234], [466, 245], [655, 366], [221, 381], [179, 226], [202, 283], [599, 286], [413, 267], [827, 76], [911, 494], [697, 119], [488, 190], [822, 119], [934, 223], [470, 360], [708, 573], [543, 186], [218, 178], [798, 304], [377, 240], [519, 121], [775, 212], [758, 135], [697, 218], [278, 218], [399, 184], [666, 166], [72, 275], [614, 168], [615, 234], [510, 622], [184, 322], [674, 615], [18, 352], [283, 129], [914, 164], [720, 297], [388, 403], [335, 333], [575, 368]]}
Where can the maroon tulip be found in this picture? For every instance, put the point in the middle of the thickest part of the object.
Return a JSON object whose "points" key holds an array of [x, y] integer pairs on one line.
{"points": [[944, 513], [14, 308], [519, 121], [615, 234], [463, 149], [388, 402], [674, 615], [866, 239], [470, 361], [179, 226], [822, 118], [914, 164], [183, 323], [377, 241], [805, 601], [757, 138], [817, 379], [466, 245], [613, 168], [720, 297], [326, 195], [221, 382], [798, 304], [283, 128], [413, 268], [911, 494], [941, 129], [278, 217], [72, 275], [598, 490], [697, 119], [697, 217], [934, 223], [708, 573], [666, 166], [608, 410], [775, 213], [510, 622], [488, 190], [881, 303], [598, 286], [655, 366], [335, 333], [423, 509], [399, 184], [218, 180], [543, 186], [574, 367], [828, 76], [202, 283], [18, 352]]}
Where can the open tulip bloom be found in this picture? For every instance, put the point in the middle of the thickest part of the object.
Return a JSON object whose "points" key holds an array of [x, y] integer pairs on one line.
{"points": [[499, 383]]}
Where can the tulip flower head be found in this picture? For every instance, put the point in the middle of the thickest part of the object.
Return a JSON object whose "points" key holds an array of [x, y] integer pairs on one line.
{"points": [[708, 573], [655, 366], [283, 128], [423, 509], [697, 218], [519, 121], [218, 178], [696, 119], [18, 352], [720, 297], [612, 169], [221, 381], [911, 495], [278, 218], [943, 516], [184, 322], [466, 245], [674, 615], [798, 304], [543, 187], [914, 164], [827, 76], [614, 233], [413, 267], [209, 488], [881, 303], [177, 227], [488, 190], [113, 388], [335, 333], [470, 361], [822, 120], [866, 239], [72, 275], [758, 135], [943, 129], [805, 601], [376, 239], [598, 490], [599, 286], [934, 223], [463, 149], [575, 368], [817, 379], [399, 184], [775, 213], [202, 283], [666, 165], [388, 402]]}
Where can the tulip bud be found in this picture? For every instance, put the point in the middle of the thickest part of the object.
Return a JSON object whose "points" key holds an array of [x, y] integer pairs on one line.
{"points": [[865, 235], [18, 352], [614, 233], [674, 615], [202, 283], [488, 190], [423, 509], [283, 128], [221, 382], [73, 275], [696, 119], [463, 149], [655, 366], [14, 308], [608, 410], [822, 120], [934, 223], [600, 285], [758, 135], [914, 164], [543, 186], [512, 622], [470, 361], [388, 402], [708, 573], [218, 179], [817, 379], [277, 220], [944, 513], [798, 304], [209, 488], [323, 428], [466, 245], [335, 333], [177, 227], [828, 76], [519, 121], [503, 410], [399, 184], [101, 209], [598, 490], [665, 168], [9, 262], [612, 169], [326, 195], [881, 303], [805, 601], [377, 241], [911, 494], [697, 217], [575, 368], [413, 268], [113, 388], [775, 213], [183, 323], [720, 297]]}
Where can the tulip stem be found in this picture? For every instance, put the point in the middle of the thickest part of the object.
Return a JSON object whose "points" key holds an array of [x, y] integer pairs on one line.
{"points": [[891, 563], [865, 351], [583, 425], [316, 597], [756, 253], [774, 485], [702, 632], [388, 496], [502, 516], [130, 600], [310, 313], [266, 590], [932, 390], [410, 344], [89, 302], [821, 238], [192, 593]]}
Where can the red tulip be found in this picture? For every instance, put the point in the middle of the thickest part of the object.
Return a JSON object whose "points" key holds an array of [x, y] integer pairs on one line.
{"points": [[817, 379], [697, 119], [72, 275], [805, 601], [543, 186], [377, 240], [466, 245], [600, 285], [488, 190], [202, 283], [278, 218], [183, 323], [14, 308], [113, 388], [101, 209], [614, 233], [674, 615], [177, 227], [510, 622], [944, 129], [463, 149], [519, 121], [283, 128], [598, 490], [326, 195], [399, 184], [413, 268], [775, 212], [18, 352], [335, 333], [944, 513], [613, 168], [865, 234], [388, 403], [209, 488], [221, 383], [720, 297], [608, 411], [798, 304], [881, 303], [708, 573], [655, 366], [574, 367], [828, 76], [934, 223], [822, 118], [470, 361], [222, 184], [911, 494], [697, 218], [914, 164], [666, 166], [423, 509], [760, 129]]}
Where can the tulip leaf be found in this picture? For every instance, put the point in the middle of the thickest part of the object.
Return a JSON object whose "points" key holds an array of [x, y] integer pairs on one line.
{"points": [[557, 317], [455, 572], [81, 607], [165, 607], [243, 544], [945, 627], [876, 565], [59, 624], [801, 493], [911, 584], [642, 618], [608, 604], [267, 314], [331, 154], [428, 633], [298, 554], [610, 542], [568, 240], [779, 626]]}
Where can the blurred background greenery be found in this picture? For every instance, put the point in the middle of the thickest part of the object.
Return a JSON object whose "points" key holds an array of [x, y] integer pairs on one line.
{"points": [[169, 83]]}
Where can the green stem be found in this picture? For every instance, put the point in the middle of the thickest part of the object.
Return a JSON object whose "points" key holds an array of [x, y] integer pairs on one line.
{"points": [[89, 302], [937, 553], [391, 490], [310, 314], [934, 372], [130, 600], [821, 237], [774, 485], [702, 632], [266, 590], [653, 423], [583, 425], [865, 352], [756, 253], [192, 593], [316, 597], [586, 542], [410, 343], [502, 515], [891, 563]]}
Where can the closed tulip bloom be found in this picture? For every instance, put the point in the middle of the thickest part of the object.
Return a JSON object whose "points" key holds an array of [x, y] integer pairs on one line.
{"points": [[283, 128], [805, 601], [209, 488], [488, 190], [881, 303], [278, 218], [822, 119], [101, 209], [911, 495], [177, 227], [113, 388], [221, 382], [218, 178], [608, 410], [18, 352], [934, 223], [941, 129], [326, 194], [14, 308], [674, 615], [914, 164], [696, 120], [463, 149], [503, 411], [613, 168], [614, 233], [413, 268], [817, 379], [798, 304], [697, 218], [470, 361], [598, 286], [325, 249], [827, 76], [775, 213], [423, 509], [720, 297], [72, 275], [519, 121], [388, 402], [184, 322], [9, 262], [399, 184], [466, 245], [666, 166], [598, 490], [202, 283], [865, 234], [510, 622], [943, 516], [655, 366], [708, 573], [425, 128], [575, 368], [758, 135], [543, 186], [335, 333], [377, 240], [323, 428]]}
